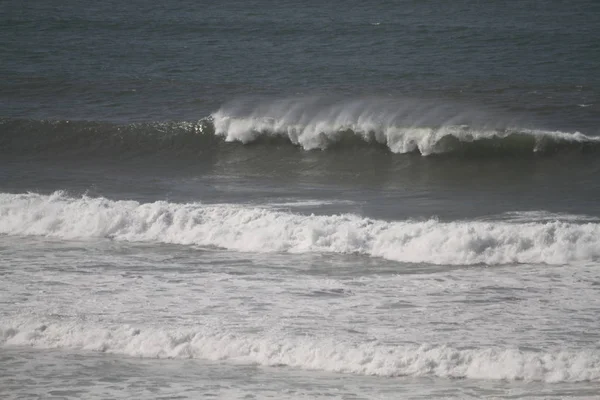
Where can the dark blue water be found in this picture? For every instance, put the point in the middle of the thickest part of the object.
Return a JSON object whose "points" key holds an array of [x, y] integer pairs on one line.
{"points": [[138, 61]]}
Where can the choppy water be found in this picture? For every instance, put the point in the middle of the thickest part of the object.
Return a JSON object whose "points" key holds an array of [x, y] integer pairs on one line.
{"points": [[300, 200]]}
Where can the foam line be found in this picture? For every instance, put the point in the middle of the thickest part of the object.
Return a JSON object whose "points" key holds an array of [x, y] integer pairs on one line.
{"points": [[327, 354], [257, 229]]}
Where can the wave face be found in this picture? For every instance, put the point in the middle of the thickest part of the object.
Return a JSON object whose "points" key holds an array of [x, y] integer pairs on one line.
{"points": [[311, 353], [255, 229], [309, 123]]}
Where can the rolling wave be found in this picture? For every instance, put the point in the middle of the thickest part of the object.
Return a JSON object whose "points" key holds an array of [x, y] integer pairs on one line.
{"points": [[309, 353], [311, 124], [400, 127], [255, 229]]}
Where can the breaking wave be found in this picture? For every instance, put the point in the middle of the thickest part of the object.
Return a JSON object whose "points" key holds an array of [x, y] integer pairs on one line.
{"points": [[310, 353], [256, 229], [401, 127], [309, 123]]}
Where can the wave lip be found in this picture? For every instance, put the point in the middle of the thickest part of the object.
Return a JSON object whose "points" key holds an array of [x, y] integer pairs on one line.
{"points": [[257, 229], [402, 127], [312, 353]]}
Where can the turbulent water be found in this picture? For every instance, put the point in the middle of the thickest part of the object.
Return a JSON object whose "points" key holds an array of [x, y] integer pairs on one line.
{"points": [[349, 200]]}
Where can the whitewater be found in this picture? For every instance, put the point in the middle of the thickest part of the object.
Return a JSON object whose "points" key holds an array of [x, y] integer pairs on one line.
{"points": [[260, 229], [312, 354], [251, 287], [507, 298]]}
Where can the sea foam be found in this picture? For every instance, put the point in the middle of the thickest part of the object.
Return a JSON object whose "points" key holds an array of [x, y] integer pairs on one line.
{"points": [[260, 229], [311, 353]]}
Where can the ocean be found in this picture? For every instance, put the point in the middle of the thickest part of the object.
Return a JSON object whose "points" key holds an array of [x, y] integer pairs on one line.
{"points": [[300, 200]]}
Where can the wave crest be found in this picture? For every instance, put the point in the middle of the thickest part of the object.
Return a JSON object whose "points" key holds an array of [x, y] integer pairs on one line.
{"points": [[311, 353], [255, 229], [400, 127]]}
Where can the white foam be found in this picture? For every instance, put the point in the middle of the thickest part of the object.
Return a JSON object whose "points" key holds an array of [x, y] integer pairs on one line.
{"points": [[257, 229], [328, 354], [403, 128]]}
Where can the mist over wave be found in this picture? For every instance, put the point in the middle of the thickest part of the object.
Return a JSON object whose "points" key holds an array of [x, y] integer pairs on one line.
{"points": [[258, 229], [404, 126], [311, 123], [326, 354]]}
